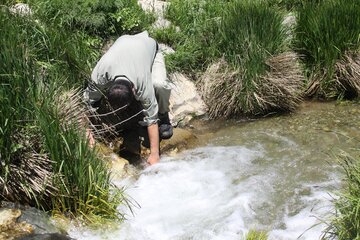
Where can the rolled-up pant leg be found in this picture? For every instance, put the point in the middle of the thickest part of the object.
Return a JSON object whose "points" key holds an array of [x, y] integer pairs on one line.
{"points": [[161, 83]]}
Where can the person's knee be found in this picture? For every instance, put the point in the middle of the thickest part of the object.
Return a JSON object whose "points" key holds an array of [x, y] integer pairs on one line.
{"points": [[162, 91]]}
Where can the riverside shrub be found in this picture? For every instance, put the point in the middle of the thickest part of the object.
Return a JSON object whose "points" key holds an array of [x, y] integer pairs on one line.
{"points": [[102, 18]]}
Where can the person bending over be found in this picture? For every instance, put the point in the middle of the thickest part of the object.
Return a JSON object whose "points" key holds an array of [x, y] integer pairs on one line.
{"points": [[133, 70]]}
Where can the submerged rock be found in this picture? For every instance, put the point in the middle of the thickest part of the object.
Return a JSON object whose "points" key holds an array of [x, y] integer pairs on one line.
{"points": [[46, 236], [182, 138]]}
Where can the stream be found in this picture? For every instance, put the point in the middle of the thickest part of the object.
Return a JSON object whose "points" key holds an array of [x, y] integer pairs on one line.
{"points": [[277, 174]]}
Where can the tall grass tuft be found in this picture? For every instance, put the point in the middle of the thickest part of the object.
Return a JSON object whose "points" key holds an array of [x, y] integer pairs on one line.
{"points": [[346, 219], [83, 179], [325, 31], [257, 76], [17, 71], [250, 32]]}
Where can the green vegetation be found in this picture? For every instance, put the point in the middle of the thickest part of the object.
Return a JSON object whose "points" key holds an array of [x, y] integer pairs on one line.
{"points": [[326, 33], [44, 154], [256, 235], [94, 17], [346, 221], [235, 42], [194, 40]]}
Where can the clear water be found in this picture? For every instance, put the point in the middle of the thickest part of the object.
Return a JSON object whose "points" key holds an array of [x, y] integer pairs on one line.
{"points": [[277, 174]]}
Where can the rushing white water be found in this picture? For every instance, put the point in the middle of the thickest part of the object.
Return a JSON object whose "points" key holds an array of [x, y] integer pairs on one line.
{"points": [[218, 192], [278, 178]]}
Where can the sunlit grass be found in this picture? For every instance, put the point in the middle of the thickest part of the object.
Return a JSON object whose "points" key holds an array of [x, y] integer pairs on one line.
{"points": [[256, 235], [248, 35], [324, 33]]}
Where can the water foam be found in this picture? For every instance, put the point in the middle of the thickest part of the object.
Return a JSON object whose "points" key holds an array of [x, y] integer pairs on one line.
{"points": [[212, 192]]}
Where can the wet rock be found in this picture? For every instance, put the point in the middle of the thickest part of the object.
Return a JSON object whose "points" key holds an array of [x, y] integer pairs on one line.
{"points": [[46, 236], [181, 139], [165, 49], [10, 228], [158, 8], [118, 164], [21, 8]]}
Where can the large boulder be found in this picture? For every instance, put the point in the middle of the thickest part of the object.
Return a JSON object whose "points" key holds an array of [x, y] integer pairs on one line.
{"points": [[185, 101], [181, 139], [158, 8]]}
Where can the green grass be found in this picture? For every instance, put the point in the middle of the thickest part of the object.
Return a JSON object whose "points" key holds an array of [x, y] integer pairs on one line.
{"points": [[209, 30], [325, 31], [44, 162], [256, 235], [194, 40], [15, 73], [346, 219], [249, 33]]}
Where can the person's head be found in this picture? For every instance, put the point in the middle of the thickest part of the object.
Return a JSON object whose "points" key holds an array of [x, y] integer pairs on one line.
{"points": [[120, 94]]}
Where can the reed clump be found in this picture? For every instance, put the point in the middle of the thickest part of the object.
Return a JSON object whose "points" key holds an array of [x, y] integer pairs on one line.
{"points": [[327, 34], [247, 34], [279, 91], [82, 179], [347, 75], [253, 40]]}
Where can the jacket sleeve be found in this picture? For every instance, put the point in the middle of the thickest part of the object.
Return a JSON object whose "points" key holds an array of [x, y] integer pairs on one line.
{"points": [[146, 96]]}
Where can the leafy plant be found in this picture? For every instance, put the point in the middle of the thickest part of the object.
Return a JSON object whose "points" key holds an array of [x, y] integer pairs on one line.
{"points": [[96, 18]]}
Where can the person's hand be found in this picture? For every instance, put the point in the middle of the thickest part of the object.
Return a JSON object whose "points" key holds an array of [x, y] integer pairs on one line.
{"points": [[153, 158], [90, 138]]}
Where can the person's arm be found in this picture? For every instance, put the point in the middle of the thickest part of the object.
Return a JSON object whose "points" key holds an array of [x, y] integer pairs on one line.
{"points": [[153, 132]]}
